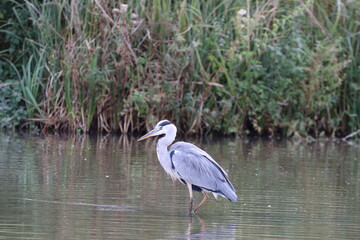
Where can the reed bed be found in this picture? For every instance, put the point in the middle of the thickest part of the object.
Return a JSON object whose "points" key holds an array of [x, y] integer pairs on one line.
{"points": [[264, 68]]}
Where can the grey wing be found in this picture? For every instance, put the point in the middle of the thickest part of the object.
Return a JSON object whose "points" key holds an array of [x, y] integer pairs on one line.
{"points": [[195, 166]]}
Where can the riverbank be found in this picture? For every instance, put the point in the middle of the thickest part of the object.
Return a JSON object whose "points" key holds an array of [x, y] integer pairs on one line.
{"points": [[254, 68]]}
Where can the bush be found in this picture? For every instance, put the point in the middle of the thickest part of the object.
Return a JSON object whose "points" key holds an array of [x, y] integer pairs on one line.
{"points": [[232, 67]]}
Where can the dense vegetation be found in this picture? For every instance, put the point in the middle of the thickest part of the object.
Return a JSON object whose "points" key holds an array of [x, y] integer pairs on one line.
{"points": [[264, 67]]}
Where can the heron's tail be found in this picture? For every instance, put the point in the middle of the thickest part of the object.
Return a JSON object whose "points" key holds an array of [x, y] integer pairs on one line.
{"points": [[232, 196], [229, 192]]}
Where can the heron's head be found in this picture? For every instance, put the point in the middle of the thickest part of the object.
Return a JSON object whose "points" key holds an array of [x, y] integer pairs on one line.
{"points": [[162, 127]]}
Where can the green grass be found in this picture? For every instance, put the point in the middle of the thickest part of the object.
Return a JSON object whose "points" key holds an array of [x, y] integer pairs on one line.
{"points": [[276, 70]]}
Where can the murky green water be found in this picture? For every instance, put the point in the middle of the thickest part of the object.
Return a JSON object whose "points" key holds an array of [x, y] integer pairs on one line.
{"points": [[110, 188]]}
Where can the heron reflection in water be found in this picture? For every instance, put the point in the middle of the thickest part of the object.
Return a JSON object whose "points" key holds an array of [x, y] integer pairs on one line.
{"points": [[190, 165]]}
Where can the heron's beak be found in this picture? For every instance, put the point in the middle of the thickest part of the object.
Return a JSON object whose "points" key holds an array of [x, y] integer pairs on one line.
{"points": [[149, 134]]}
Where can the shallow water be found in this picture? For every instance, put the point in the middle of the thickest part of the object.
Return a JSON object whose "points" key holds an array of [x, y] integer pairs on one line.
{"points": [[114, 188]]}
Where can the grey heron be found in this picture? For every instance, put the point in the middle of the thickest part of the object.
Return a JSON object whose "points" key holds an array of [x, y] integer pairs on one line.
{"points": [[190, 165]]}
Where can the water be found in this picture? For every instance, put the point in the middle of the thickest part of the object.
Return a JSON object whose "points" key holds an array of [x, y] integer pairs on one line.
{"points": [[114, 188]]}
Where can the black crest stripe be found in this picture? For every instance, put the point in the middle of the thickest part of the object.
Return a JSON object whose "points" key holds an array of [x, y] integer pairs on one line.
{"points": [[164, 123]]}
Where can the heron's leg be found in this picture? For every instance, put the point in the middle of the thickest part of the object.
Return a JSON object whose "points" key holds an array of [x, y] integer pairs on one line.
{"points": [[206, 197], [191, 198]]}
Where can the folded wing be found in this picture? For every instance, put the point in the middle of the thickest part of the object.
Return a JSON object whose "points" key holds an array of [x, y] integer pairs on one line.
{"points": [[195, 166]]}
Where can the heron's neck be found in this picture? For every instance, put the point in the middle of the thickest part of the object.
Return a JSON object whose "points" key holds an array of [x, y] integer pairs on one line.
{"points": [[163, 153], [165, 141]]}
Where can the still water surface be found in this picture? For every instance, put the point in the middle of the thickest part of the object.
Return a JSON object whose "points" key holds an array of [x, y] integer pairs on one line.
{"points": [[114, 188]]}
